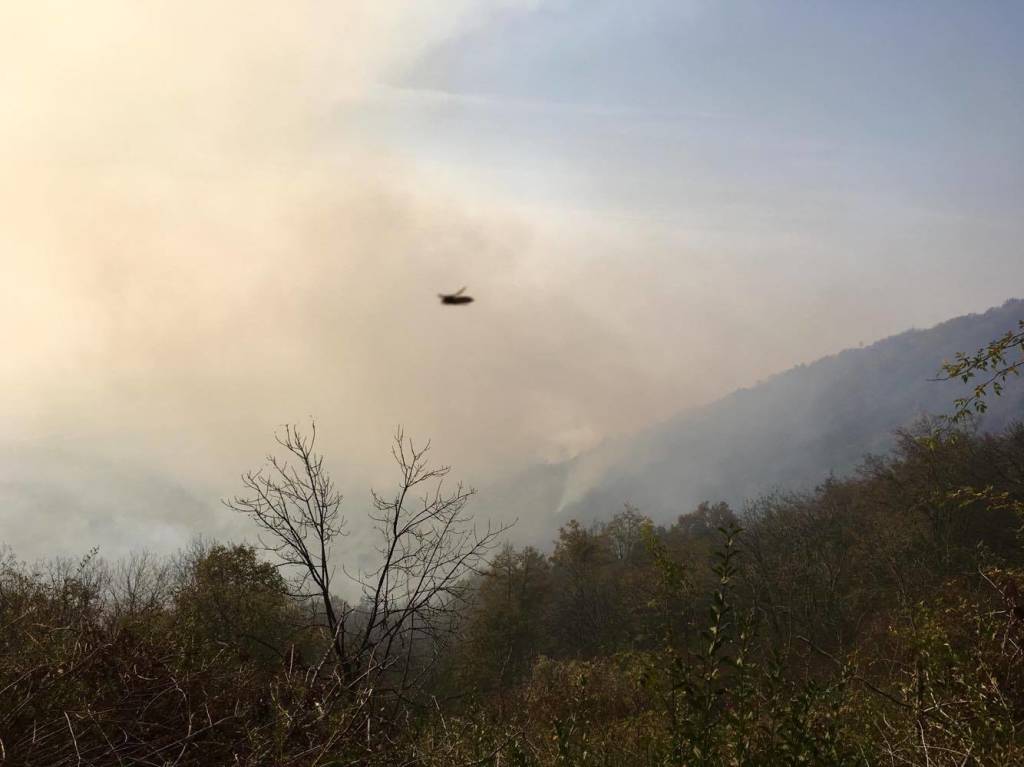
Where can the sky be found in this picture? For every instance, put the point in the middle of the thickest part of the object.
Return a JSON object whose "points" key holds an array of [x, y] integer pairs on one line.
{"points": [[220, 217]]}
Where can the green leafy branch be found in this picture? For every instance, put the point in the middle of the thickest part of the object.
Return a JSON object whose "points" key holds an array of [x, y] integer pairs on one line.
{"points": [[990, 366]]}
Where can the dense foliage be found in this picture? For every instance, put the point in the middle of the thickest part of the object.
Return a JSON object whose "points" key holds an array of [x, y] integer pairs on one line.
{"points": [[877, 620]]}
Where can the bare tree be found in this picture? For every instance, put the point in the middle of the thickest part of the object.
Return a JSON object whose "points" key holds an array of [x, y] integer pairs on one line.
{"points": [[139, 583], [428, 545], [298, 509]]}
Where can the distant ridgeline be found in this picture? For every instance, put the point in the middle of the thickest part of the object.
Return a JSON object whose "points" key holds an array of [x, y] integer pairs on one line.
{"points": [[786, 433]]}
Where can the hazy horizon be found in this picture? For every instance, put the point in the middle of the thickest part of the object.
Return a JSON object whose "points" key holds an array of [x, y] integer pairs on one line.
{"points": [[220, 218]]}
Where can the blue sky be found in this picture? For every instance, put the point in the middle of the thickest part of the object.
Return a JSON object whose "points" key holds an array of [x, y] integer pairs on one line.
{"points": [[812, 174], [881, 144]]}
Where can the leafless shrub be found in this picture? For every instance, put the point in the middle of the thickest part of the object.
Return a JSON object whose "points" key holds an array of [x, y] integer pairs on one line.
{"points": [[428, 544]]}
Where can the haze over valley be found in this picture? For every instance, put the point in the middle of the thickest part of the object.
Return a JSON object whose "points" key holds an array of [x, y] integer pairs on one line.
{"points": [[208, 234], [511, 383]]}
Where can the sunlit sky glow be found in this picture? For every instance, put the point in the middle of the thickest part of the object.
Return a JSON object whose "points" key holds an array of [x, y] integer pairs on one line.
{"points": [[220, 217]]}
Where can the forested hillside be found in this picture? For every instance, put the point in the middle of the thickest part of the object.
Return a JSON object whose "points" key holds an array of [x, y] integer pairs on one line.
{"points": [[788, 432], [877, 619], [466, 383]]}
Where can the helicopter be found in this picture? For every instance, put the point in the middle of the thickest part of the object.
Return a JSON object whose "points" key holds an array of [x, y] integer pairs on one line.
{"points": [[456, 298]]}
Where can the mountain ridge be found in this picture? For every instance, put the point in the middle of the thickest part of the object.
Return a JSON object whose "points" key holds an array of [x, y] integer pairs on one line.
{"points": [[788, 431]]}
